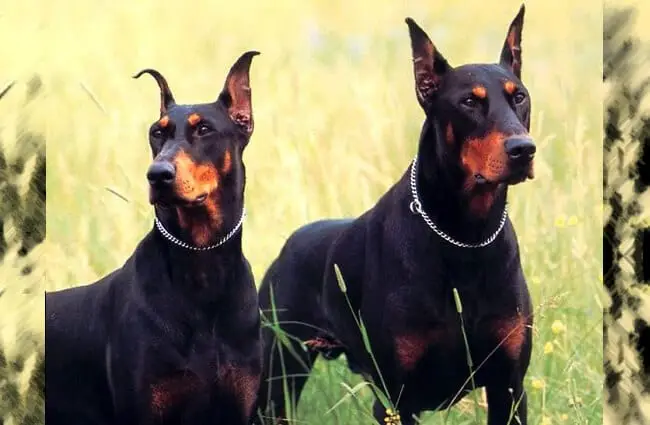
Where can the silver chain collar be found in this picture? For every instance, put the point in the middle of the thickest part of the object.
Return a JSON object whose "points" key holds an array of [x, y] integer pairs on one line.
{"points": [[182, 244], [416, 208]]}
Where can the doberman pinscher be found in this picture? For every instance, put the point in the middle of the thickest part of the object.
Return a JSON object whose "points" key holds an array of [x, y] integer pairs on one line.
{"points": [[173, 336], [440, 234]]}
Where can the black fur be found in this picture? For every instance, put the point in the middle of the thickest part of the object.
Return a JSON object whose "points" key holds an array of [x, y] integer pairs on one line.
{"points": [[400, 275], [173, 335]]}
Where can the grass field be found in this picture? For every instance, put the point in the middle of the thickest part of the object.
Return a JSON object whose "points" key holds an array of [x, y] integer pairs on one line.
{"points": [[336, 123], [626, 57], [642, 11], [22, 224]]}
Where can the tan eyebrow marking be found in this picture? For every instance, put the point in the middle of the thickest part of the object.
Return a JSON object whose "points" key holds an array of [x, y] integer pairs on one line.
{"points": [[194, 119], [164, 121], [509, 87], [480, 92]]}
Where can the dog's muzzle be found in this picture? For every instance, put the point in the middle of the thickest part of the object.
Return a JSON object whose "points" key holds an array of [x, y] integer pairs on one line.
{"points": [[520, 149], [520, 152], [161, 176]]}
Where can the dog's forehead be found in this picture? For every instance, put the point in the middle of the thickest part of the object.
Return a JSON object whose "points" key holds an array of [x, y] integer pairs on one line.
{"points": [[205, 111], [486, 75]]}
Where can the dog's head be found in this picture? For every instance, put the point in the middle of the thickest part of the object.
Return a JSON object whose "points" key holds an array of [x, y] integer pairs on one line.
{"points": [[479, 113], [197, 149]]}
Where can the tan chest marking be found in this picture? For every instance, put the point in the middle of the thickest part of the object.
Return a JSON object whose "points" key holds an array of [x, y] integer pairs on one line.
{"points": [[411, 347], [169, 391], [511, 334], [242, 384]]}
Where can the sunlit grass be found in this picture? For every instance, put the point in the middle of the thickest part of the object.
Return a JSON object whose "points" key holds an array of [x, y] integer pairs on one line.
{"points": [[336, 124]]}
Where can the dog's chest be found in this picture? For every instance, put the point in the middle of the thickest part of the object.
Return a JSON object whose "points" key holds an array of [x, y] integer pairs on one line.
{"points": [[437, 331], [503, 334], [183, 390], [195, 378]]}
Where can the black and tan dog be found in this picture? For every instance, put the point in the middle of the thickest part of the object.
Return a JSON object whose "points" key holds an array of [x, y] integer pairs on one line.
{"points": [[442, 226], [173, 335]]}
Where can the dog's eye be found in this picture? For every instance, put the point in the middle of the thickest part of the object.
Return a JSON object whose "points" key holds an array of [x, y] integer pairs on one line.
{"points": [[469, 101], [519, 97], [203, 129], [157, 133]]}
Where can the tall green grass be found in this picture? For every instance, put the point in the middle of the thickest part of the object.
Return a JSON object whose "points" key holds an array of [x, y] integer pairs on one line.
{"points": [[336, 124]]}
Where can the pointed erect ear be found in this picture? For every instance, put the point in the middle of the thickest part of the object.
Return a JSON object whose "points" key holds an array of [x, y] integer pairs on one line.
{"points": [[166, 97], [511, 52], [236, 93], [429, 66]]}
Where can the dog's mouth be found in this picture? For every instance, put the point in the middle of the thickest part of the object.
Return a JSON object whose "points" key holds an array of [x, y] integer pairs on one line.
{"points": [[512, 178], [169, 199], [480, 179], [194, 202]]}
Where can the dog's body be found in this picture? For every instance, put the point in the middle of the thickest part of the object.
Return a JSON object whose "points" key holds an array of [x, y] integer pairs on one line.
{"points": [[157, 339], [399, 275], [173, 335]]}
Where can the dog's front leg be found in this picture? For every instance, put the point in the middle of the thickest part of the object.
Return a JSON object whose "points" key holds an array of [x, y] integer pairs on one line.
{"points": [[507, 404], [239, 384]]}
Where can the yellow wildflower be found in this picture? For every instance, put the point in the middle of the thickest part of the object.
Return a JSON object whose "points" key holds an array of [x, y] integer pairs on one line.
{"points": [[538, 383], [548, 348], [392, 417], [557, 327]]}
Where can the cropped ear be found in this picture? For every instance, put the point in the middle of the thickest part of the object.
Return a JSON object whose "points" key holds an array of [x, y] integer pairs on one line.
{"points": [[429, 66], [166, 97], [236, 93], [511, 52]]}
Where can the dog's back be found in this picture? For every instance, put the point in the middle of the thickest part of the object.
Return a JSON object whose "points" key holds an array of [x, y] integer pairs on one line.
{"points": [[301, 262]]}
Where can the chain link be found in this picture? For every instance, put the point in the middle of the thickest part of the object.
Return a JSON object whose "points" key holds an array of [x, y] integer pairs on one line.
{"points": [[416, 208], [182, 244]]}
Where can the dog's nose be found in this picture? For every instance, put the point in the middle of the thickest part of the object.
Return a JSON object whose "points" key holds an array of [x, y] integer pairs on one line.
{"points": [[161, 173], [520, 148]]}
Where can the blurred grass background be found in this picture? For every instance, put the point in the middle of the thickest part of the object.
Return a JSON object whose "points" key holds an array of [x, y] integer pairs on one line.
{"points": [[22, 210], [337, 123], [627, 317], [637, 26], [22, 229]]}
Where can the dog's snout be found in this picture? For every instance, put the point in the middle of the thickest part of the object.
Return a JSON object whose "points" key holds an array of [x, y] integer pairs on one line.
{"points": [[161, 173], [520, 148]]}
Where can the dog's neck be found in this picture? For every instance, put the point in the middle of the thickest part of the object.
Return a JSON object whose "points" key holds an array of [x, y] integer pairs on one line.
{"points": [[204, 271], [443, 198], [185, 224]]}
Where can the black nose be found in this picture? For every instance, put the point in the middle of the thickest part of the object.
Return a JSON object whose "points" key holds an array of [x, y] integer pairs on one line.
{"points": [[520, 148], [161, 173]]}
